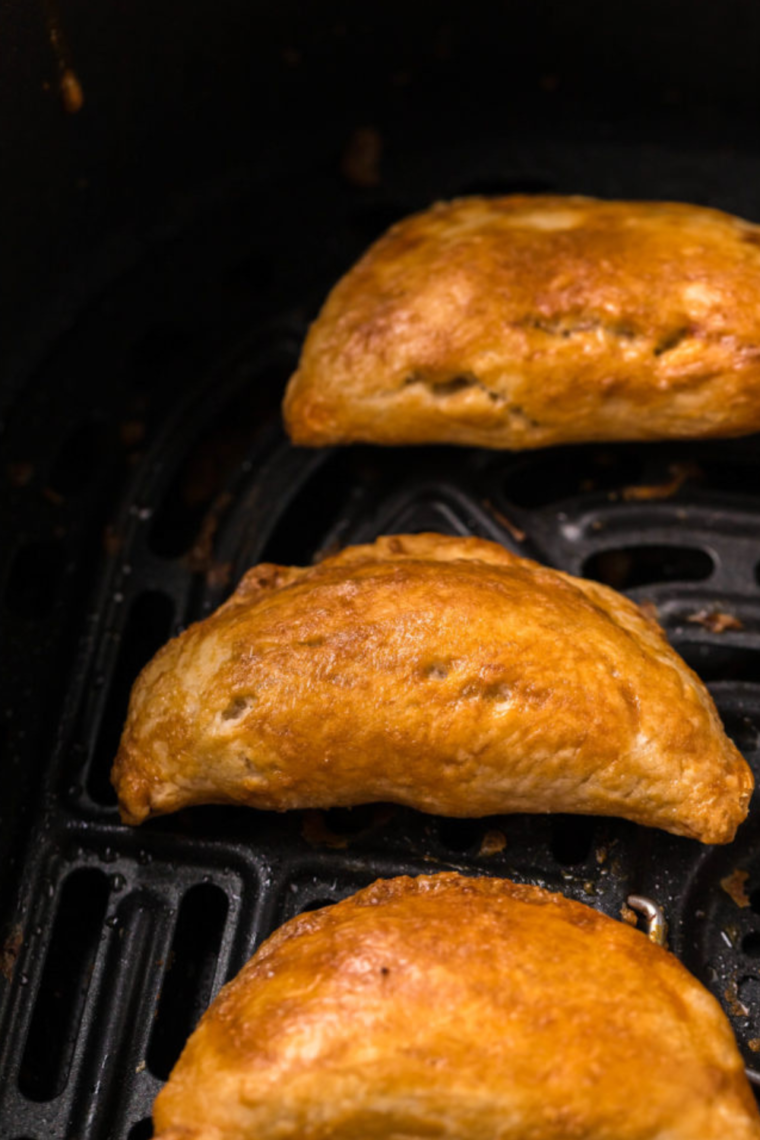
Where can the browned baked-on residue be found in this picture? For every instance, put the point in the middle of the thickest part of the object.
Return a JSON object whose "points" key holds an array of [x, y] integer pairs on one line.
{"points": [[492, 843], [132, 432], [70, 87], [71, 91], [735, 887], [680, 473], [360, 163], [218, 574], [517, 534], [736, 1007], [317, 834], [9, 952], [717, 621], [112, 541], [200, 558], [20, 473]]}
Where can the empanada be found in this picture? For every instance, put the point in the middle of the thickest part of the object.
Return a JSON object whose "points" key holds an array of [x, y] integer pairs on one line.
{"points": [[462, 1009], [442, 673], [524, 321]]}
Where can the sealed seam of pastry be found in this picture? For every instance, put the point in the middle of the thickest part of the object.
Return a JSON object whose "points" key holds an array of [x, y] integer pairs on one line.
{"points": [[524, 321], [469, 1009], [441, 673]]}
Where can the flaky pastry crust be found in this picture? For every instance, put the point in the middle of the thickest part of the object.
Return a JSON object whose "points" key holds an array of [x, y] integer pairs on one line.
{"points": [[462, 1009], [524, 321], [442, 673]]}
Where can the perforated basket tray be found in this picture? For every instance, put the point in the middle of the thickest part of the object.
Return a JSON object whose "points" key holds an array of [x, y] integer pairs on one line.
{"points": [[116, 939]]}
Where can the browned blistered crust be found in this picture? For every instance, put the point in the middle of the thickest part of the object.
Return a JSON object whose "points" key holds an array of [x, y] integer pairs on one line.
{"points": [[462, 1009], [524, 321], [442, 673]]}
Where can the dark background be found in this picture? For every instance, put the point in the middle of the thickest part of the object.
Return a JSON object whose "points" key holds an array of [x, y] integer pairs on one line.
{"points": [[184, 101]]}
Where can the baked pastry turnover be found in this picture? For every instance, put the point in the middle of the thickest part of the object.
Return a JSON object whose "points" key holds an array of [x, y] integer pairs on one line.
{"points": [[442, 673], [524, 321], [463, 1009]]}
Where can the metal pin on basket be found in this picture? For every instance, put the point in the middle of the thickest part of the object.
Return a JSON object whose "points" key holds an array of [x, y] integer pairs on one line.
{"points": [[657, 932], [657, 927]]}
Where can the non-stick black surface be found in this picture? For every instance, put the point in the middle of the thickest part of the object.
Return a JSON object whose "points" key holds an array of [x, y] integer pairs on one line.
{"points": [[145, 469]]}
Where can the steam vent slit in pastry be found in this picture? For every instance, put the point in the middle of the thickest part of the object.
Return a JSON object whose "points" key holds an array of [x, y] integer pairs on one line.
{"points": [[519, 322], [442, 673], [461, 1009]]}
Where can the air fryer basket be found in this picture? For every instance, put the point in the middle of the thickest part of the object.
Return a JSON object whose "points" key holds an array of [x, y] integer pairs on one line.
{"points": [[145, 469]]}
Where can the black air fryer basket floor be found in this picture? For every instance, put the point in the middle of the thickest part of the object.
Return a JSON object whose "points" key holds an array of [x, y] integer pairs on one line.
{"points": [[147, 470]]}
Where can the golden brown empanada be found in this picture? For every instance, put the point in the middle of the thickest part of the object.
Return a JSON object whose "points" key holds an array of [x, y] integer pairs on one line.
{"points": [[464, 1009], [442, 673], [524, 321]]}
